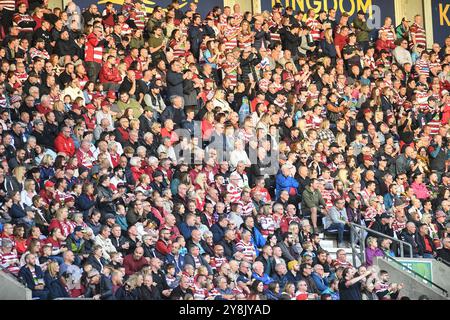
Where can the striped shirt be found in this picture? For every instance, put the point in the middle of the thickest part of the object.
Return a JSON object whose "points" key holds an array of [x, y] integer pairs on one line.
{"points": [[434, 125], [24, 22], [247, 208], [422, 99], [267, 224], [230, 41], [200, 293], [178, 48], [235, 192], [247, 249], [313, 24], [419, 33], [245, 43], [389, 33], [139, 19], [230, 73], [8, 260], [423, 67], [217, 262], [8, 4]]}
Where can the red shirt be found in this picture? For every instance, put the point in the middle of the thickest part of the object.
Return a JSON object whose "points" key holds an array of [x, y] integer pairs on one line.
{"points": [[340, 41], [132, 266]]}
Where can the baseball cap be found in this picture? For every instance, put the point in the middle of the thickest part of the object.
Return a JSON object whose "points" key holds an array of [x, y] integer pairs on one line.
{"points": [[111, 95], [97, 96], [90, 106], [367, 158], [49, 184], [242, 279], [158, 173], [78, 229], [109, 216]]}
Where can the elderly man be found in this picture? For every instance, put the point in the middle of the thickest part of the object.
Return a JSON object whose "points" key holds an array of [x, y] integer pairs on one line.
{"points": [[337, 219]]}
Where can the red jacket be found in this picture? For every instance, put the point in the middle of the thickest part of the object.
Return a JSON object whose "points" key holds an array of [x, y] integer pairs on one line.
{"points": [[162, 247], [138, 72], [90, 122], [66, 145], [93, 51], [384, 45], [109, 75]]}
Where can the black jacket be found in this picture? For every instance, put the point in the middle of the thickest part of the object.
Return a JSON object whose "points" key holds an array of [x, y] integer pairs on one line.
{"points": [[312, 287], [98, 265], [269, 264], [104, 288], [229, 248], [421, 244], [174, 84], [178, 293], [411, 239], [146, 293]]}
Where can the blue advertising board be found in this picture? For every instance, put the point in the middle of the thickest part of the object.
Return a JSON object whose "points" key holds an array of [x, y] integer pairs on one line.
{"points": [[351, 7], [441, 20]]}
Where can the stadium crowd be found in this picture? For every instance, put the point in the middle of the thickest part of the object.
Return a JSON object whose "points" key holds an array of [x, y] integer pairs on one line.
{"points": [[161, 154]]}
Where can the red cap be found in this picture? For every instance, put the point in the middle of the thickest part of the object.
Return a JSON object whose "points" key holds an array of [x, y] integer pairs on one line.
{"points": [[367, 110], [90, 106], [97, 96], [106, 103], [367, 158], [111, 95], [49, 184]]}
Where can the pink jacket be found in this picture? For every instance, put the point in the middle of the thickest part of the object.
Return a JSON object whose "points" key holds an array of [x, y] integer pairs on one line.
{"points": [[420, 190]]}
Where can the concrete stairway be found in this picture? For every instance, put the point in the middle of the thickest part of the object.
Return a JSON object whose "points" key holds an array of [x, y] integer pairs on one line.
{"points": [[329, 243]]}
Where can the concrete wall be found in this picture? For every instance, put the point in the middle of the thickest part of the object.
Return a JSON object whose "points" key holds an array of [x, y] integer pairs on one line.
{"points": [[11, 289], [413, 287], [441, 274]]}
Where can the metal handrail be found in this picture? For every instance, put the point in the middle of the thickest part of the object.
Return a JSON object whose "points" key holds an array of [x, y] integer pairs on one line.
{"points": [[362, 243], [445, 292], [443, 261]]}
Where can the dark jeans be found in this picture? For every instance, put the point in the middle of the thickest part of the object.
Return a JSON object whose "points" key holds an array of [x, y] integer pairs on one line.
{"points": [[92, 69], [340, 228], [40, 294]]}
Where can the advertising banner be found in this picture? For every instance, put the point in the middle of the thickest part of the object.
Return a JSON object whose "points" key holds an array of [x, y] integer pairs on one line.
{"points": [[424, 268], [441, 20], [378, 9]]}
